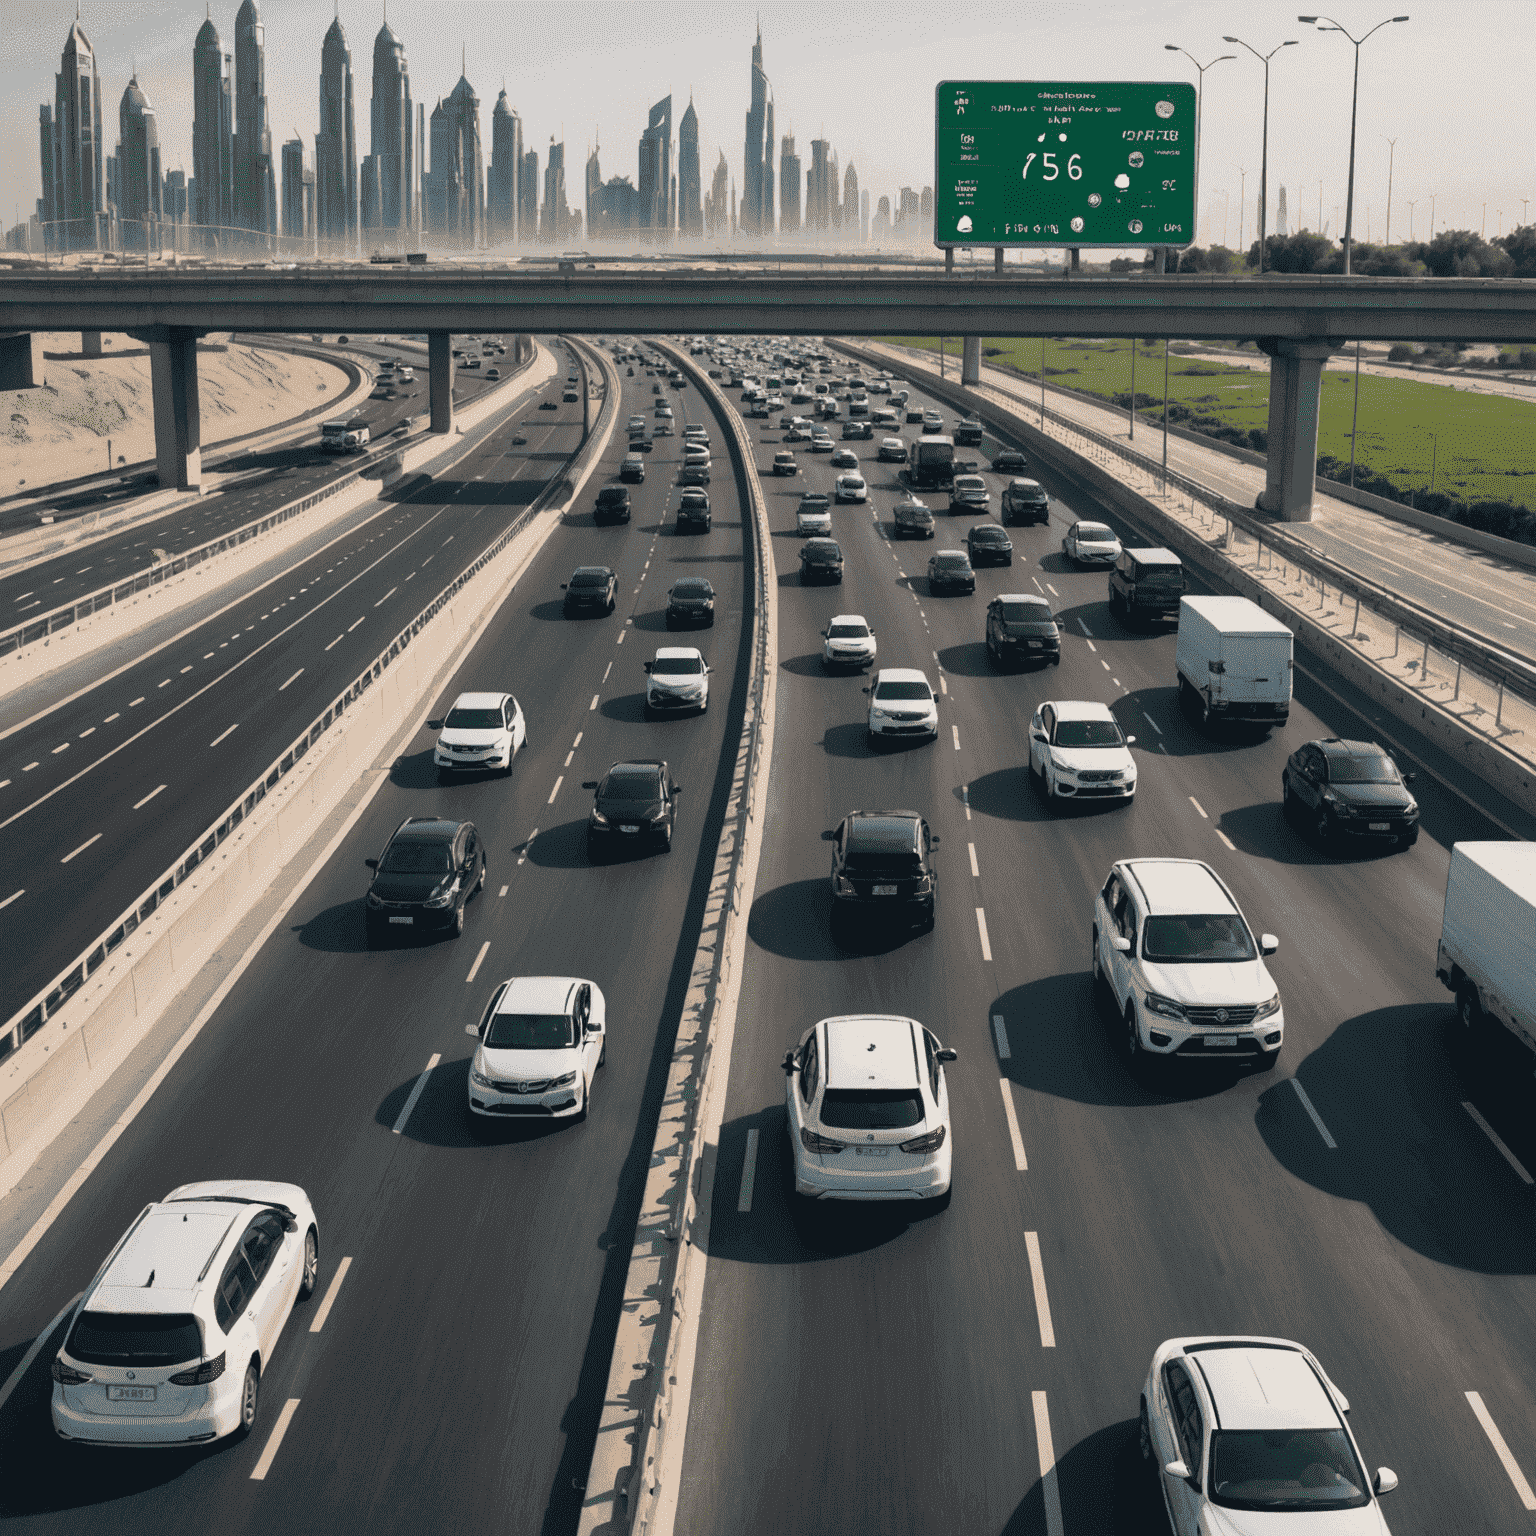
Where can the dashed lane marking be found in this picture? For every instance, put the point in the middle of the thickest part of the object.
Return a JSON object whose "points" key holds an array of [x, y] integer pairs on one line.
{"points": [[1317, 1119], [981, 928], [81, 849], [975, 872], [479, 961], [556, 790], [1501, 1450], [1085, 629], [1227, 840], [296, 676], [416, 1093], [1050, 1493], [593, 704], [1493, 1136], [955, 733], [330, 1295], [1019, 1160], [220, 737], [274, 1440], [1199, 808], [1042, 1301], [1153, 723], [139, 805]]}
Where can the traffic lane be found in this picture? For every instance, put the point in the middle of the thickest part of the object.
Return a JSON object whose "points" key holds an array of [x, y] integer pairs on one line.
{"points": [[334, 1123], [95, 875]]}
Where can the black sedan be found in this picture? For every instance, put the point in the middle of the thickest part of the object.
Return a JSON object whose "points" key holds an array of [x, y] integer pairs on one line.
{"points": [[1009, 461], [424, 878], [1020, 628], [591, 589], [987, 544], [950, 571], [913, 520], [691, 600], [636, 804], [820, 560]]}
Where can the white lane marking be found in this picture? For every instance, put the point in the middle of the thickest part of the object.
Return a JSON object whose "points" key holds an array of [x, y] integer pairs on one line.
{"points": [[748, 1173], [330, 1296], [577, 742], [296, 676], [593, 704], [275, 1439], [1502, 1451], [1317, 1119], [416, 1093], [1085, 629], [57, 750], [1052, 590], [981, 928], [1104, 664], [479, 960], [81, 849], [134, 703], [607, 670], [1042, 1302], [1019, 1160], [90, 730], [139, 805], [230, 732], [165, 684], [185, 670], [334, 643], [954, 731], [1153, 723], [1227, 840], [502, 892], [38, 1345], [568, 756], [620, 640], [1118, 684], [1092, 647], [208, 656], [1000, 1033], [118, 715], [556, 790], [965, 799], [975, 872], [1493, 1136], [1050, 1493], [943, 683], [351, 627], [4, 783], [1199, 808], [526, 846]]}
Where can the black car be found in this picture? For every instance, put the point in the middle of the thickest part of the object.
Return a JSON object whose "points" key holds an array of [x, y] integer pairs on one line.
{"points": [[1025, 501], [1350, 789], [820, 560], [987, 544], [592, 588], [612, 504], [1020, 628], [882, 868], [636, 804], [570, 397], [633, 468], [639, 442], [693, 511], [422, 881], [691, 600], [858, 429], [1009, 461], [694, 474], [913, 520], [950, 571]]}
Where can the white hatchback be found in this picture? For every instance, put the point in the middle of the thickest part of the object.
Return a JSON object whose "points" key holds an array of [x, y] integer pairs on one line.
{"points": [[848, 641], [169, 1343], [901, 704], [869, 1110], [677, 680], [850, 487], [1077, 751], [481, 730], [542, 1039], [1091, 544]]}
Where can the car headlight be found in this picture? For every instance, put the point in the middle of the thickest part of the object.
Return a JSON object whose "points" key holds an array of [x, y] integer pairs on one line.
{"points": [[1165, 1007], [923, 886], [1411, 809], [480, 1080], [843, 886], [929, 1143], [563, 1082], [443, 895], [877, 714], [1266, 1009]]}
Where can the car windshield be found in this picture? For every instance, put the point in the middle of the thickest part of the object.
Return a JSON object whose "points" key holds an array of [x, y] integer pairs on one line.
{"points": [[1094, 533], [1088, 733], [473, 720], [1362, 770], [822, 549], [631, 784], [871, 1109], [914, 511], [676, 666], [589, 579], [1283, 1469], [951, 563], [898, 691], [989, 535], [1160, 575], [692, 586], [1183, 940], [530, 1032], [144, 1340], [847, 631]]}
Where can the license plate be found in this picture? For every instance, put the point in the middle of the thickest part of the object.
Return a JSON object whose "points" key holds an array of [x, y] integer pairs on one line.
{"points": [[871, 1151], [130, 1394], [1381, 826], [1035, 645], [629, 829], [885, 890], [406, 920], [1216, 1042]]}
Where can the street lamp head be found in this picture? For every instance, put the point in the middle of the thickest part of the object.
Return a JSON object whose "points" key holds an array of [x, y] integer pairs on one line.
{"points": [[1307, 19], [1290, 42], [1232, 40], [1173, 48]]}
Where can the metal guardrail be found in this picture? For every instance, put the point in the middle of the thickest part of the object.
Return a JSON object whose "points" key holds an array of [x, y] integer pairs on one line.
{"points": [[25, 1023]]}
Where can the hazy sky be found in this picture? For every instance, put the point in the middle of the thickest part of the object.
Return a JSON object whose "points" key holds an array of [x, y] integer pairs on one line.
{"points": [[1452, 85]]}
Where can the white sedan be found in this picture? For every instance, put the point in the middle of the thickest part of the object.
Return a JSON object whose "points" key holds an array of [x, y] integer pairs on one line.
{"points": [[902, 703], [482, 730], [542, 1039], [677, 681], [1090, 544], [848, 641], [1077, 751], [850, 487]]}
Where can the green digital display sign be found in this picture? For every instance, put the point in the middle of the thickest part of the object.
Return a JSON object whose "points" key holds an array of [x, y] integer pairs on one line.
{"points": [[1032, 162]]}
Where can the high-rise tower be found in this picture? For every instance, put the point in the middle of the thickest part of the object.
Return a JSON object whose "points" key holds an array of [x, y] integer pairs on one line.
{"points": [[850, 203], [139, 204], [336, 142], [390, 139], [506, 165], [789, 187], [756, 209], [255, 185], [73, 151], [213, 129], [690, 211], [656, 171]]}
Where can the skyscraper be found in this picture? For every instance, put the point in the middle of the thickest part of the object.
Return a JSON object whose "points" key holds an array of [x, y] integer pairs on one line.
{"points": [[690, 211], [756, 212], [336, 142], [850, 204], [506, 166], [298, 192], [213, 128], [255, 187], [717, 209], [457, 180], [390, 139], [74, 150], [594, 201], [820, 187], [528, 197], [789, 187], [552, 224], [656, 170], [140, 204], [863, 218]]}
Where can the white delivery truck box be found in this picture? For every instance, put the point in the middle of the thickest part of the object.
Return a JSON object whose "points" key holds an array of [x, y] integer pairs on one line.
{"points": [[1233, 660], [1487, 952]]}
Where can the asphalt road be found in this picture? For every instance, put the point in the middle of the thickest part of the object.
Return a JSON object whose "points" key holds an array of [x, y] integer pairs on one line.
{"points": [[103, 792], [457, 1378], [871, 1371], [264, 479]]}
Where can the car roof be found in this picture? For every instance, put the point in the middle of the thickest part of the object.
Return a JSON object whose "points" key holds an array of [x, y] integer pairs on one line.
{"points": [[989, 528], [1023, 484], [538, 994], [892, 442], [901, 675], [1085, 525], [848, 618], [883, 831], [959, 554], [821, 544], [629, 763], [969, 480], [160, 1264], [593, 570], [870, 1051], [479, 701], [1076, 709], [428, 829], [1334, 746], [671, 652], [690, 581], [1179, 886], [1264, 1386], [1153, 555]]}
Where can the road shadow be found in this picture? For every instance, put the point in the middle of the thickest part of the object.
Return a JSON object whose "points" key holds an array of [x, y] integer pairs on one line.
{"points": [[968, 660], [653, 621], [852, 740], [561, 847], [338, 930], [1008, 794], [808, 665], [793, 920], [414, 770], [1057, 564], [553, 610], [441, 1116], [1264, 830], [1103, 1486], [1180, 736]]}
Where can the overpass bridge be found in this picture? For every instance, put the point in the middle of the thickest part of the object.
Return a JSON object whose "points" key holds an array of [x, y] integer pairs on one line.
{"points": [[1297, 320]]}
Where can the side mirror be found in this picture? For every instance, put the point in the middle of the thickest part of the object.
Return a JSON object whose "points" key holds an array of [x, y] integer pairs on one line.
{"points": [[1177, 1469], [563, 587], [647, 666], [1268, 943], [827, 837], [823, 634], [589, 783], [472, 1029], [290, 1224], [1130, 741], [677, 789], [593, 1027], [933, 842], [1385, 1480], [1037, 735], [371, 863], [1120, 942], [1408, 778], [947, 1054], [434, 725], [788, 1063]]}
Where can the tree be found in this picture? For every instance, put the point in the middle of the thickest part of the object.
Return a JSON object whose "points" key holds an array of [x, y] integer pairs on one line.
{"points": [[1520, 246], [1301, 252], [1216, 258], [1464, 253]]}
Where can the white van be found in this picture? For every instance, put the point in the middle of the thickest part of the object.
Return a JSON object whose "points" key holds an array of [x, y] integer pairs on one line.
{"points": [[1234, 661]]}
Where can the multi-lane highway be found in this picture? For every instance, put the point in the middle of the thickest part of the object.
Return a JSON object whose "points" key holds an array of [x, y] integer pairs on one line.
{"points": [[875, 1370]]}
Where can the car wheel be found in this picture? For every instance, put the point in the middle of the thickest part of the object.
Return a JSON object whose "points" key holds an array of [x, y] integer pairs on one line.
{"points": [[1135, 1052], [373, 935], [480, 883], [610, 606], [1099, 982], [937, 1203], [1144, 1438], [1408, 839], [1287, 800], [586, 1099], [311, 1265], [602, 1055], [458, 918], [871, 741], [250, 1400], [1469, 1011]]}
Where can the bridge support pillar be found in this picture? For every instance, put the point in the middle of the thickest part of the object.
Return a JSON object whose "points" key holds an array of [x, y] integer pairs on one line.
{"points": [[178, 417], [440, 379], [970, 360], [21, 360], [1295, 394], [90, 343]]}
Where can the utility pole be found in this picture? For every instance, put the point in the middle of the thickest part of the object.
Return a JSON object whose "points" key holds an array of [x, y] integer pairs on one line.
{"points": [[1264, 59], [1242, 208], [1391, 156], [1412, 204]]}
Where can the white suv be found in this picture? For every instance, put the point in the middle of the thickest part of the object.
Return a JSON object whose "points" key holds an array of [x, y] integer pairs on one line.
{"points": [[676, 680], [1254, 1426], [1181, 964], [1077, 751], [869, 1110], [901, 704], [542, 1039], [169, 1342], [848, 641], [482, 730]]}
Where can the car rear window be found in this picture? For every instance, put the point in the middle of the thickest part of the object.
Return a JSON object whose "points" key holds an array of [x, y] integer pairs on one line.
{"points": [[613, 493], [1183, 940], [473, 720], [1159, 575], [418, 857], [951, 563], [530, 1032], [139, 1339], [989, 535], [692, 586], [871, 1109], [589, 579], [1027, 613], [904, 691], [631, 784]]}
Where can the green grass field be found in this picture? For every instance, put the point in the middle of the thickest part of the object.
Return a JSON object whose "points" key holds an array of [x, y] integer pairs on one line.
{"points": [[1486, 443]]}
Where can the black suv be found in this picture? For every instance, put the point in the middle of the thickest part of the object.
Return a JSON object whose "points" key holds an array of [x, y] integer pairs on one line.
{"points": [[950, 571], [1145, 585], [693, 511], [1021, 627], [987, 544], [1025, 501], [691, 600], [820, 560], [422, 881], [612, 505], [882, 866], [1009, 461], [591, 587], [636, 803], [913, 520], [1350, 789]]}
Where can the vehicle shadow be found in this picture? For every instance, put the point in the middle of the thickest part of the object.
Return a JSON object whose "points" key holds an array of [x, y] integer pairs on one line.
{"points": [[441, 1116], [338, 930], [1057, 564], [968, 660], [554, 609], [414, 770], [1180, 735], [808, 665], [793, 920], [1009, 795], [851, 740], [1264, 830], [1103, 1486], [560, 847], [629, 708], [652, 621]]}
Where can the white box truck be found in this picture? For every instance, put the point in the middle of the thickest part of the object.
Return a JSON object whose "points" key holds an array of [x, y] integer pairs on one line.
{"points": [[1487, 951], [344, 436], [1234, 661]]}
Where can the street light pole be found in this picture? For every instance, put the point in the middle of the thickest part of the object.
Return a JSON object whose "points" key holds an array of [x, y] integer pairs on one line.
{"points": [[1264, 59], [1354, 112], [1412, 204], [1242, 206], [1391, 156], [1200, 70]]}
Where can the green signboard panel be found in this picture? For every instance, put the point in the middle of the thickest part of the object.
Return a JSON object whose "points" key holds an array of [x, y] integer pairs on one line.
{"points": [[1036, 163]]}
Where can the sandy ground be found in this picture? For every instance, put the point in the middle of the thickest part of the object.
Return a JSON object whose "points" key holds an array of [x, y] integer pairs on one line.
{"points": [[62, 430]]}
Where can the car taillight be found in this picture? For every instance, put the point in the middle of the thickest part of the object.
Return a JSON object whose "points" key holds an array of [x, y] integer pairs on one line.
{"points": [[67, 1373], [814, 1143], [200, 1375], [929, 1143]]}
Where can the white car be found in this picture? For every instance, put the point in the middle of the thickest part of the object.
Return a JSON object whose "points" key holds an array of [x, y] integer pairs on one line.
{"points": [[901, 704], [1176, 955], [1077, 751], [813, 520], [170, 1340], [848, 641], [1249, 1434], [850, 487], [542, 1039], [869, 1110], [892, 451], [1091, 544], [677, 679], [482, 730]]}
